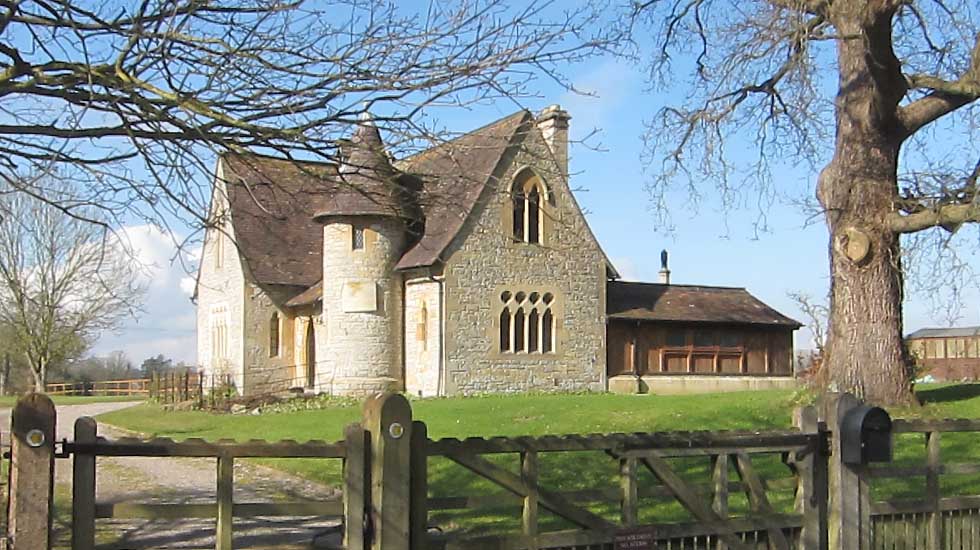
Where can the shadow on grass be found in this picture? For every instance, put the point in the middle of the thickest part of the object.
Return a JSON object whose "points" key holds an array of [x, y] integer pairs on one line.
{"points": [[946, 394]]}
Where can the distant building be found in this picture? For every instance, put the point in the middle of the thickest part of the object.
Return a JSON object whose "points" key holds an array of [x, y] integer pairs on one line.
{"points": [[947, 353], [665, 338]]}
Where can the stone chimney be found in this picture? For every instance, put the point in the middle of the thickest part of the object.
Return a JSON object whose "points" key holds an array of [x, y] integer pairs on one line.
{"points": [[553, 123], [664, 271]]}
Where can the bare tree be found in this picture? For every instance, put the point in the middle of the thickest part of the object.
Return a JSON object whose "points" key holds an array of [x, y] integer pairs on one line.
{"points": [[816, 314], [764, 74], [135, 98], [63, 280]]}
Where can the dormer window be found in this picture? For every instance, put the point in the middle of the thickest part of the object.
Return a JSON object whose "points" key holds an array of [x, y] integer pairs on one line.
{"points": [[530, 200]]}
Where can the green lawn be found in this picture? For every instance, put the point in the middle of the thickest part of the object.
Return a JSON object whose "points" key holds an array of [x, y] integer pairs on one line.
{"points": [[517, 415]]}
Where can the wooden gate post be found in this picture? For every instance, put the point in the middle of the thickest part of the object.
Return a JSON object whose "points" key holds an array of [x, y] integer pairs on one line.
{"points": [[388, 418], [83, 488], [357, 483], [812, 472], [849, 506], [31, 473], [419, 501]]}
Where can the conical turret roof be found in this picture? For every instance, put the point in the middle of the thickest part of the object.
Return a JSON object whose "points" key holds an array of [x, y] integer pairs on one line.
{"points": [[368, 185]]}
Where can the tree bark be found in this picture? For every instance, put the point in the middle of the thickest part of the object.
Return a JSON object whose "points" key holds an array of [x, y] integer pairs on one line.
{"points": [[39, 370], [858, 190]]}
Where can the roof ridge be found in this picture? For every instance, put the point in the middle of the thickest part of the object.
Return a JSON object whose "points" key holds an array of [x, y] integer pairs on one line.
{"points": [[620, 281], [324, 163], [408, 159]]}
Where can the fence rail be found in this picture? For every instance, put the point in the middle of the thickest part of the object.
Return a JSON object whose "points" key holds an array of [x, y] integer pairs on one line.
{"points": [[135, 387]]}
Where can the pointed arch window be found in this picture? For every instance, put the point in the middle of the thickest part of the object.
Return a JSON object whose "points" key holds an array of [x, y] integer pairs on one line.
{"points": [[505, 330], [529, 198], [527, 322]]}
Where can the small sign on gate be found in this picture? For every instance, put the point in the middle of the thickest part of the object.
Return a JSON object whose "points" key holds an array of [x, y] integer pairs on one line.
{"points": [[639, 538]]}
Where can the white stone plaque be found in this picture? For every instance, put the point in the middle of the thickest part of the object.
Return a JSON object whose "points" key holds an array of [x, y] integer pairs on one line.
{"points": [[359, 296]]}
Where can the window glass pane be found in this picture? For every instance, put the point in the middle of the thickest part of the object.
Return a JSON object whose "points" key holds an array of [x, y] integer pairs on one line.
{"points": [[729, 339], [703, 338], [274, 335], [519, 215], [676, 338], [358, 238], [519, 334], [532, 331], [505, 330], [533, 209], [547, 332]]}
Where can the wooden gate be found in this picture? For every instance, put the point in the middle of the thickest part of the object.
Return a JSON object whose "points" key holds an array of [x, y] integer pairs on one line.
{"points": [[87, 446]]}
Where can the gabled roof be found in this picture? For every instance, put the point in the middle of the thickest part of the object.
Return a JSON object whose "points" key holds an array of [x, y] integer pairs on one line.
{"points": [[274, 202], [272, 205], [453, 175], [952, 332], [691, 304]]}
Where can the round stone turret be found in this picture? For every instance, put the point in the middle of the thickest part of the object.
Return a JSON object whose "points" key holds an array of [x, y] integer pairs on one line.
{"points": [[364, 234]]}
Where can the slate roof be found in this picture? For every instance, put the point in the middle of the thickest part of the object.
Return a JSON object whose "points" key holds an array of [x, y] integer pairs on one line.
{"points": [[272, 205], [692, 304], [367, 184], [453, 175], [277, 205], [952, 332]]}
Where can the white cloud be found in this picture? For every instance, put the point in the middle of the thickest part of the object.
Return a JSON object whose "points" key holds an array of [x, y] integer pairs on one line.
{"points": [[167, 323], [187, 285]]}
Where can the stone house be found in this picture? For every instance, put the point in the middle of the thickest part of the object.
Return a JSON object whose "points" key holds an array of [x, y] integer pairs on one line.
{"points": [[466, 268]]}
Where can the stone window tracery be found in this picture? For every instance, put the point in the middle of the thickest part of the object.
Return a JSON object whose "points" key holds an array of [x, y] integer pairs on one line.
{"points": [[219, 335], [527, 322], [530, 200]]}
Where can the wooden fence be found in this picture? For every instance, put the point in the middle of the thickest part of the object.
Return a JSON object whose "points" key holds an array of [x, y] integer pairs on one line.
{"points": [[139, 387], [179, 387], [930, 521], [773, 490]]}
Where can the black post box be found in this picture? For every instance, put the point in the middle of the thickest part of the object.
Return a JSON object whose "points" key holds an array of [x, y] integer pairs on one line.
{"points": [[866, 436]]}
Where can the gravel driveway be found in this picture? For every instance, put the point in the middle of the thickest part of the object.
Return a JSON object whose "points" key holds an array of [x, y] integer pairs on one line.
{"points": [[189, 480]]}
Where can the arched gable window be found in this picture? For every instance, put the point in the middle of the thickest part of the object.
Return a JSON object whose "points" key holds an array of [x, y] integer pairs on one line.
{"points": [[274, 334], [530, 200]]}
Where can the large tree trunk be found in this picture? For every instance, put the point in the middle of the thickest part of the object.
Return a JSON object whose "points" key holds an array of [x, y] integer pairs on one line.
{"points": [[865, 351], [858, 189]]}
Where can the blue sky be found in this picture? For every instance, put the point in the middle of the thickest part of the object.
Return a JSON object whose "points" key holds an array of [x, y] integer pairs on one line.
{"points": [[707, 245]]}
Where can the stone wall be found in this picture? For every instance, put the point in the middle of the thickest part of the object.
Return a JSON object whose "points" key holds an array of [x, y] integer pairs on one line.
{"points": [[486, 260], [221, 289], [423, 336], [266, 372], [362, 308]]}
